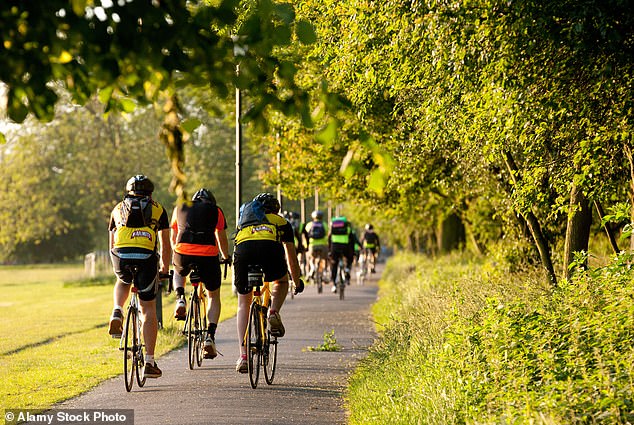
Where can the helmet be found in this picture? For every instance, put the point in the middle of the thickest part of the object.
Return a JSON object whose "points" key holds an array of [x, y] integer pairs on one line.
{"points": [[139, 185], [317, 215], [204, 195], [270, 202], [369, 227]]}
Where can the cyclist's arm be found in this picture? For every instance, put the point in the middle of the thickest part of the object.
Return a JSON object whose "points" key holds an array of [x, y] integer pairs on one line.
{"points": [[166, 250], [291, 258], [174, 228], [223, 243]]}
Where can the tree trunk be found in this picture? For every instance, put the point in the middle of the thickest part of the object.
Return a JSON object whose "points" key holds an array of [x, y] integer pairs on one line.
{"points": [[608, 229], [451, 234], [577, 229], [630, 158], [533, 225]]}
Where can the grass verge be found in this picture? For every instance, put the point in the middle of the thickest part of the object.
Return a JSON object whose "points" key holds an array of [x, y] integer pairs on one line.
{"points": [[466, 341], [53, 334]]}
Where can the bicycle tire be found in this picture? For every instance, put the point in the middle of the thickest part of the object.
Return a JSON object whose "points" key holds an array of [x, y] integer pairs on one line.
{"points": [[269, 354], [139, 359], [129, 363], [342, 286], [253, 345], [318, 281], [191, 334], [200, 334]]}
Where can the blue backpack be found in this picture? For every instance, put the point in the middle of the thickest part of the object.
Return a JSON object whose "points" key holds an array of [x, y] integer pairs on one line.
{"points": [[252, 213]]}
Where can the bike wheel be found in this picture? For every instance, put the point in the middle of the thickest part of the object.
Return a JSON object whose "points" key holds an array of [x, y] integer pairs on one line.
{"points": [[128, 350], [269, 357], [342, 287], [200, 334], [191, 334], [253, 345], [139, 354], [318, 281]]}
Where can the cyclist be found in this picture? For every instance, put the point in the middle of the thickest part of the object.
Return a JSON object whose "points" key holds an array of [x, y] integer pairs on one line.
{"points": [[134, 243], [341, 241], [316, 232], [371, 245], [198, 236], [270, 245], [294, 218]]}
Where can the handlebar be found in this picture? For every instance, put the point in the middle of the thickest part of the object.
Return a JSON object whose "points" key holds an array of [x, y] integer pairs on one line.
{"points": [[170, 277], [227, 263]]}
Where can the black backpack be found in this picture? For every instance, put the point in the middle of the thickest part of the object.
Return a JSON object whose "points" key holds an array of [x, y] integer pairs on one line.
{"points": [[317, 230], [339, 227], [136, 211]]}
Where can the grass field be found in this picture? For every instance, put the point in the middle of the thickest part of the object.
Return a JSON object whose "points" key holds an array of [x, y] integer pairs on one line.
{"points": [[53, 334]]}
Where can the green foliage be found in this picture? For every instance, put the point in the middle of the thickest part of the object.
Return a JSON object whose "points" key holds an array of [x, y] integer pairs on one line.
{"points": [[60, 181], [468, 342], [329, 344]]}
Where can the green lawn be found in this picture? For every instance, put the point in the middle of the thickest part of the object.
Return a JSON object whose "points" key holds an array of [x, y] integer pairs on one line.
{"points": [[53, 334]]}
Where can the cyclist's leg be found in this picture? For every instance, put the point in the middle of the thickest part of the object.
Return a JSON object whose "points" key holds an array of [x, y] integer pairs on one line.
{"points": [[148, 286], [209, 268], [241, 258], [276, 272], [348, 261], [120, 293], [181, 269], [334, 263]]}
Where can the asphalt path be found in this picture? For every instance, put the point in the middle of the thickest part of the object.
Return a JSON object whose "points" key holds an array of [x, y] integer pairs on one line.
{"points": [[308, 387]]}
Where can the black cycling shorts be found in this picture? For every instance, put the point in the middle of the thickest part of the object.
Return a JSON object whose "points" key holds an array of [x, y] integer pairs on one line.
{"points": [[208, 268], [147, 275], [268, 254]]}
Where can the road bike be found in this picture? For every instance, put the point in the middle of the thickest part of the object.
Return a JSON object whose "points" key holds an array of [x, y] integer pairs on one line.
{"points": [[131, 342], [260, 344], [195, 326]]}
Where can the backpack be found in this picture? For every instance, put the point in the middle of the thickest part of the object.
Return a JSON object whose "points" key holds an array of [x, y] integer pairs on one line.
{"points": [[317, 230], [252, 213], [136, 212], [339, 227]]}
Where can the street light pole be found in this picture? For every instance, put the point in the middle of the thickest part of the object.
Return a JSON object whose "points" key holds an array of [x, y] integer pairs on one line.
{"points": [[238, 150]]}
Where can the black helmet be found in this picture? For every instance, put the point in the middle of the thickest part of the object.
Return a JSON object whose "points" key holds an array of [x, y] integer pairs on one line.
{"points": [[204, 195], [270, 202], [317, 215], [139, 185]]}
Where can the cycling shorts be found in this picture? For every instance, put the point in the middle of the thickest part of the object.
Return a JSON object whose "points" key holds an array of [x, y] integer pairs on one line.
{"points": [[208, 268], [268, 254], [319, 251], [147, 276]]}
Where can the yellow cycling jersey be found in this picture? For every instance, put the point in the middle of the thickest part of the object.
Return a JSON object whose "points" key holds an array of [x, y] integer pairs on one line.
{"points": [[275, 230], [137, 237]]}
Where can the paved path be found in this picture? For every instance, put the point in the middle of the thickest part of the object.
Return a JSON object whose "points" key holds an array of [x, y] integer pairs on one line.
{"points": [[308, 386]]}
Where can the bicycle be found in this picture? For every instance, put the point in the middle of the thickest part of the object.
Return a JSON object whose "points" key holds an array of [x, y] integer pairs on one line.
{"points": [[341, 280], [131, 342], [260, 344], [195, 326]]}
